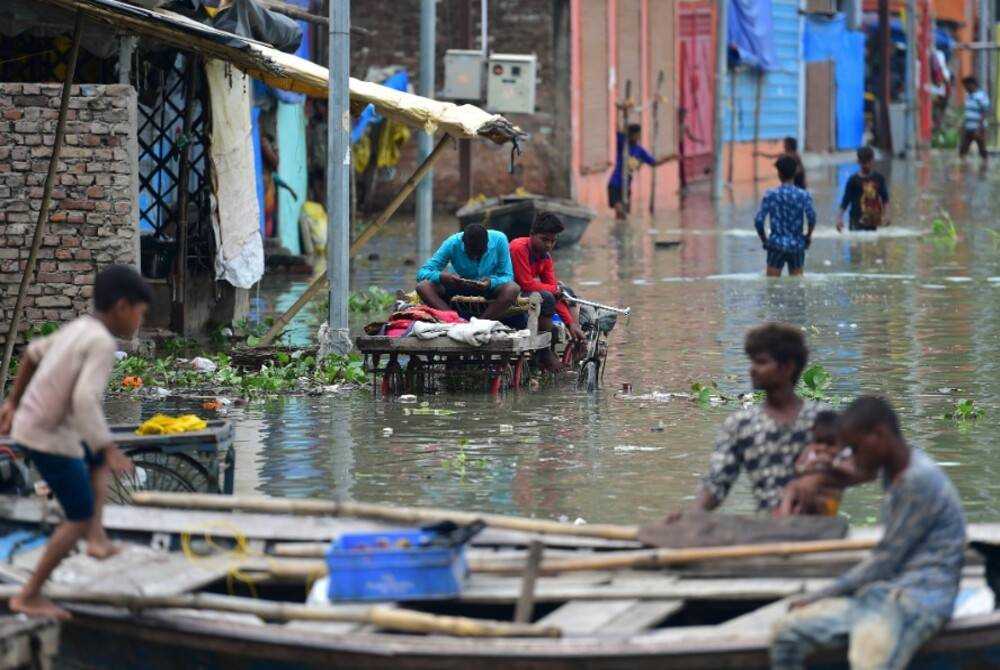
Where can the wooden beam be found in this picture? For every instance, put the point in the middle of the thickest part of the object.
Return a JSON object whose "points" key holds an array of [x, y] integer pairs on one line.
{"points": [[282, 321], [43, 212], [526, 601]]}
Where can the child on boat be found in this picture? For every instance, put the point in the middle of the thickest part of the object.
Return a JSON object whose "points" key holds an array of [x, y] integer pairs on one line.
{"points": [[823, 468], [888, 605], [55, 413]]}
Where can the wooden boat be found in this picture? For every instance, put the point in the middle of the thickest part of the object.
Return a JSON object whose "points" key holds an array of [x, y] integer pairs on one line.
{"points": [[703, 615], [513, 214]]}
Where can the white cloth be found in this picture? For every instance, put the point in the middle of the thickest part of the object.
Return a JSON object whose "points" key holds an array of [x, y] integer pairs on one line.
{"points": [[239, 258], [478, 332], [428, 331]]}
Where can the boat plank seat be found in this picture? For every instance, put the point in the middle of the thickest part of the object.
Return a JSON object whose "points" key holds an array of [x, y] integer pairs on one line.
{"points": [[586, 617], [641, 616]]}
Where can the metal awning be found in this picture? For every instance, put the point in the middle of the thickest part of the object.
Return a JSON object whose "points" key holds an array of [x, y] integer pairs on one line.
{"points": [[291, 73]]}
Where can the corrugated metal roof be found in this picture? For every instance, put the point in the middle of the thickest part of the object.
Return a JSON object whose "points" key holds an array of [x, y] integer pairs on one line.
{"points": [[779, 114]]}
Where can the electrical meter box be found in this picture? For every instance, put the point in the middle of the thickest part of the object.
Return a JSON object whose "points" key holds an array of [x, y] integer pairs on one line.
{"points": [[510, 83], [463, 75]]}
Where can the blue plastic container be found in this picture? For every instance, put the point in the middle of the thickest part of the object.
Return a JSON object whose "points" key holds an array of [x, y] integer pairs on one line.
{"points": [[394, 565]]}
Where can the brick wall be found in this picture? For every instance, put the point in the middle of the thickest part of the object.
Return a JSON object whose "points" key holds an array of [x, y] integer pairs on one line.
{"points": [[515, 26], [92, 217]]}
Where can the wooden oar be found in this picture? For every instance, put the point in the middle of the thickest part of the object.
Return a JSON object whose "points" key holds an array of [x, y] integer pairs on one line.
{"points": [[386, 618], [405, 515]]}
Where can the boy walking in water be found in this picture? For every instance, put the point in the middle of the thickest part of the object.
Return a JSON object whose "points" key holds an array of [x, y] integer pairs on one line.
{"points": [[787, 207], [888, 605], [977, 108], [865, 195], [55, 413], [790, 147]]}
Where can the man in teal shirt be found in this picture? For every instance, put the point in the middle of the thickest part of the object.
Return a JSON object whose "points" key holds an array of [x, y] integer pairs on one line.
{"points": [[480, 263]]}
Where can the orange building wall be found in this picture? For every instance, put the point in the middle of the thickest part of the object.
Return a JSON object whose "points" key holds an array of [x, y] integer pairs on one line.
{"points": [[946, 10]]}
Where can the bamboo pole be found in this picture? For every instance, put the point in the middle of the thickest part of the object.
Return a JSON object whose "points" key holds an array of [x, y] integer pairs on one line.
{"points": [[387, 618], [282, 321], [756, 124], [658, 558], [43, 212], [409, 515], [656, 136]]}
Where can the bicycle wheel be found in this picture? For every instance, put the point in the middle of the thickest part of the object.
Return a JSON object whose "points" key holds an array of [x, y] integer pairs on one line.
{"points": [[148, 476]]}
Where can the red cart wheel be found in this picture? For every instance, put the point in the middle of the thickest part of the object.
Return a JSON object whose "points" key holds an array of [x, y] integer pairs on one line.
{"points": [[519, 373]]}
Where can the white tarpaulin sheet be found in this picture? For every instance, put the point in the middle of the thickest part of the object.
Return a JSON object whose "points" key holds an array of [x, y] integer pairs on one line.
{"points": [[239, 259]]}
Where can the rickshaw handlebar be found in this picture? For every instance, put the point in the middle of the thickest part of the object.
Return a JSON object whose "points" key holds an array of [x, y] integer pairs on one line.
{"points": [[580, 301]]}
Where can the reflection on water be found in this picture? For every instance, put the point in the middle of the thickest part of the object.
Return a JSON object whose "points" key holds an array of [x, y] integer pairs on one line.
{"points": [[890, 313]]}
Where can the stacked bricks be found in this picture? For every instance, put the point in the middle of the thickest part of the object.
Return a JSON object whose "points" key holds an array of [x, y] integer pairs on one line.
{"points": [[92, 217]]}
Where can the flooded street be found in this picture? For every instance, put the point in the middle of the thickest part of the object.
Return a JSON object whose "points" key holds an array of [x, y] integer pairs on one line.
{"points": [[903, 313]]}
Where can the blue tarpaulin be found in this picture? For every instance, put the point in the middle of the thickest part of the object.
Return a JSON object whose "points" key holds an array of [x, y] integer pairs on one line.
{"points": [[751, 34], [400, 81], [829, 39], [897, 33]]}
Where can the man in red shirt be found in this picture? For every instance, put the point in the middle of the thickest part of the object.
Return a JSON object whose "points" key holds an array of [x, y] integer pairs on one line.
{"points": [[534, 272]]}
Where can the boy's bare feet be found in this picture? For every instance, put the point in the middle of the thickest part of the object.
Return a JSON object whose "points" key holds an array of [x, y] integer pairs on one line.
{"points": [[38, 607], [102, 549]]}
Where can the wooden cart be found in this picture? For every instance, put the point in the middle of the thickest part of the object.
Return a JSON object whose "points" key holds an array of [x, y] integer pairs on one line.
{"points": [[195, 462], [401, 365]]}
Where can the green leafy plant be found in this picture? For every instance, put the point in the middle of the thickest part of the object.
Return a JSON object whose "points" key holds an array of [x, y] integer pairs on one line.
{"points": [[373, 299], [815, 383], [704, 392], [40, 330], [965, 411], [944, 234], [460, 463]]}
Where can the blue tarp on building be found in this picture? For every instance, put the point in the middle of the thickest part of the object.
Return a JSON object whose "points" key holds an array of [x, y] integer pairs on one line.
{"points": [[779, 86], [750, 33], [828, 39], [399, 81]]}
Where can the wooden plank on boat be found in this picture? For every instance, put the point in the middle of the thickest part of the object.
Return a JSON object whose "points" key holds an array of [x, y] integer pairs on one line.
{"points": [[272, 527], [498, 590], [641, 616], [27, 643], [136, 570], [759, 620], [586, 617]]}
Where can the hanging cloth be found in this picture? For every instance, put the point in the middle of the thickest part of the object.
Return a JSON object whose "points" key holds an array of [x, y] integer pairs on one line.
{"points": [[751, 34], [239, 257], [291, 121]]}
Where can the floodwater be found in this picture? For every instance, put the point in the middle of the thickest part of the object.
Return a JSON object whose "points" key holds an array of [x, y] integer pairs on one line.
{"points": [[895, 313]]}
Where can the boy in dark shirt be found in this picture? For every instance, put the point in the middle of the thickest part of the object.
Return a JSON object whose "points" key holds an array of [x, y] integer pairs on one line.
{"points": [[865, 195], [790, 148]]}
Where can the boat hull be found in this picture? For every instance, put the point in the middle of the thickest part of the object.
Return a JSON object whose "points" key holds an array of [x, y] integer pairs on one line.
{"points": [[513, 217], [99, 637]]}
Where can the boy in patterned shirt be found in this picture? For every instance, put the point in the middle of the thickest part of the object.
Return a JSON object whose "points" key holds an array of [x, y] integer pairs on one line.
{"points": [[763, 441], [888, 605], [788, 207]]}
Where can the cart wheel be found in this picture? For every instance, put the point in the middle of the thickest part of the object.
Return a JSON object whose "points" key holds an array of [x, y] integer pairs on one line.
{"points": [[188, 467], [519, 377], [148, 476], [589, 377]]}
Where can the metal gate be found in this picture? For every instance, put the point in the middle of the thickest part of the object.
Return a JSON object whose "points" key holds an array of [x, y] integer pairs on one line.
{"points": [[696, 63]]}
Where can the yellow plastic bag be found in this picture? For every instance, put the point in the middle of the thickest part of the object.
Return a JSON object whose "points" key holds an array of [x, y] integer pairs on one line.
{"points": [[315, 215], [161, 424]]}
